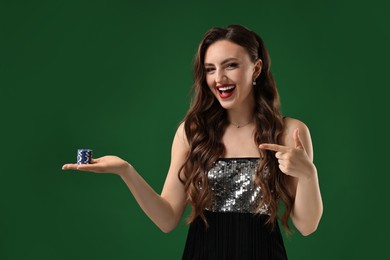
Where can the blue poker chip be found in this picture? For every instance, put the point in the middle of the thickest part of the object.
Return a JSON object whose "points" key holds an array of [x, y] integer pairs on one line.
{"points": [[84, 156]]}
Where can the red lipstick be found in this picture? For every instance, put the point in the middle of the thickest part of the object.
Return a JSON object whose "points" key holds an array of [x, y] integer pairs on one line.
{"points": [[225, 91]]}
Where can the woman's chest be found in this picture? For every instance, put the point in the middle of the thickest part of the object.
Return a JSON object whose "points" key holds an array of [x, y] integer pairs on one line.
{"points": [[240, 144]]}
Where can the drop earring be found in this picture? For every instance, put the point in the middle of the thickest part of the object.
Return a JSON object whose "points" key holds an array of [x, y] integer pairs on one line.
{"points": [[254, 82]]}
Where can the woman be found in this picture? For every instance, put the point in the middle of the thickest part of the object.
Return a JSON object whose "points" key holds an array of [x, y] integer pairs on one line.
{"points": [[234, 158]]}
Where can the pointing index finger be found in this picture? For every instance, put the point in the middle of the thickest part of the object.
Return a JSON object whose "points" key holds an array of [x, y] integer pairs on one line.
{"points": [[274, 147]]}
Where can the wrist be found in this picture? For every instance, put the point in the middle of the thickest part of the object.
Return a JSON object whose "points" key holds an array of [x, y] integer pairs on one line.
{"points": [[311, 174], [127, 170]]}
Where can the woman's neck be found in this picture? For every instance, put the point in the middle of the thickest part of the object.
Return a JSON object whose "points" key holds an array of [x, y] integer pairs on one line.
{"points": [[240, 117]]}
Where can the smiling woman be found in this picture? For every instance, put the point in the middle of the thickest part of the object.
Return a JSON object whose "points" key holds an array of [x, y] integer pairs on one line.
{"points": [[232, 75], [234, 158]]}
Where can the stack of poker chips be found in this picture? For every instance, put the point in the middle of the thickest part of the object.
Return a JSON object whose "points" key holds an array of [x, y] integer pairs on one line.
{"points": [[84, 156]]}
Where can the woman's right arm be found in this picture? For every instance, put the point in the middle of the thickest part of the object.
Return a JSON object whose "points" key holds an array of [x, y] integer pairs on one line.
{"points": [[164, 210]]}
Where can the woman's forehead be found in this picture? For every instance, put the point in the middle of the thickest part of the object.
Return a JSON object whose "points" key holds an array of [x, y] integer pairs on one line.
{"points": [[222, 50]]}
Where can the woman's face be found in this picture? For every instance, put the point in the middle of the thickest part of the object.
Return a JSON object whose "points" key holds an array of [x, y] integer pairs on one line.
{"points": [[230, 74]]}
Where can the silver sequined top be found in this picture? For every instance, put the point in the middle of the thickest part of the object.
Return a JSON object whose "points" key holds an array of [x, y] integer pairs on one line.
{"points": [[233, 186]]}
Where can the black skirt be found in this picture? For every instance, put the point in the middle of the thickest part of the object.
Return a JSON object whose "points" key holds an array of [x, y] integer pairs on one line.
{"points": [[232, 235]]}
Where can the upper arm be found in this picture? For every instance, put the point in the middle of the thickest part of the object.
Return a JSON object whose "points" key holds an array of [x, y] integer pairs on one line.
{"points": [[288, 136], [173, 191], [288, 139]]}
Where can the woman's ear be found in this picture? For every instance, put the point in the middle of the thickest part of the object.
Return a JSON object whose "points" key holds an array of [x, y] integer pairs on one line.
{"points": [[257, 68]]}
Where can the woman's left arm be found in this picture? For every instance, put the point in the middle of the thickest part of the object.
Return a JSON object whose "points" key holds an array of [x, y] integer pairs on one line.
{"points": [[295, 159]]}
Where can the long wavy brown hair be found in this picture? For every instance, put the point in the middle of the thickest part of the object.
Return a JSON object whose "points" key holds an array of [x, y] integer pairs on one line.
{"points": [[206, 122]]}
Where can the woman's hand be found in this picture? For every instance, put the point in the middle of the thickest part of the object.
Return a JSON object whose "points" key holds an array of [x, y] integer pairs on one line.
{"points": [[293, 161], [105, 164]]}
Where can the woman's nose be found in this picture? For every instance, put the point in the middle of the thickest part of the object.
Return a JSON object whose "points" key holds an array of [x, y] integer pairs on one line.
{"points": [[220, 77]]}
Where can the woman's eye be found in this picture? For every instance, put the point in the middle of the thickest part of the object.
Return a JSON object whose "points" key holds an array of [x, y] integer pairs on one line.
{"points": [[232, 65], [209, 70]]}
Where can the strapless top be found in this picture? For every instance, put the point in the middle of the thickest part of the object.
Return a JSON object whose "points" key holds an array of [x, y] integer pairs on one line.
{"points": [[231, 181]]}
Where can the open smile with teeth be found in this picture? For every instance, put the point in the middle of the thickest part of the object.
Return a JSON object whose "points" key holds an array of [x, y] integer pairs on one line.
{"points": [[226, 90]]}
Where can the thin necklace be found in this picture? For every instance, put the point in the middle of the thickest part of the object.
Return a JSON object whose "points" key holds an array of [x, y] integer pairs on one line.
{"points": [[240, 126]]}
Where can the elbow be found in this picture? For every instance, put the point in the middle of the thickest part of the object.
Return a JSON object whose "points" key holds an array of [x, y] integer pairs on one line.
{"points": [[308, 230], [309, 226], [168, 227], [166, 230]]}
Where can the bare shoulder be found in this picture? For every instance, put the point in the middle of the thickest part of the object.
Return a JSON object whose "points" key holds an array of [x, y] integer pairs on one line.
{"points": [[290, 124], [181, 136]]}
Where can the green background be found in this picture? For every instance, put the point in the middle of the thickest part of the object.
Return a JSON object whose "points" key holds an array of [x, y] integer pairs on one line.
{"points": [[115, 76]]}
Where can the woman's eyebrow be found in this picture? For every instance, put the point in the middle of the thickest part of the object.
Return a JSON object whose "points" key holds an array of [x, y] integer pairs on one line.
{"points": [[223, 62]]}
